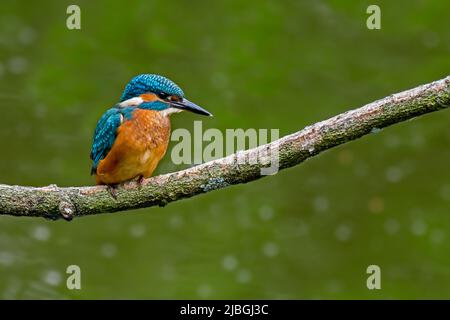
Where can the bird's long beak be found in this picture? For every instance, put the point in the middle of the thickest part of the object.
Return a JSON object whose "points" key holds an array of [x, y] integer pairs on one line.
{"points": [[185, 104]]}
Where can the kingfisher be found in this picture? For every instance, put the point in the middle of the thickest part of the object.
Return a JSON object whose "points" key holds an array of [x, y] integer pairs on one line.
{"points": [[132, 137]]}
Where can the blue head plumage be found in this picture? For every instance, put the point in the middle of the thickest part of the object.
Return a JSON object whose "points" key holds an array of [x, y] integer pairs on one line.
{"points": [[144, 83]]}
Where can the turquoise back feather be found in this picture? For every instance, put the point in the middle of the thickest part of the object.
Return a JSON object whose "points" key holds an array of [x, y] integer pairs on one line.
{"points": [[106, 132]]}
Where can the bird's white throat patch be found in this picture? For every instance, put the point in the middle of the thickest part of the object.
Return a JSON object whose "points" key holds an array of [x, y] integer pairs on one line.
{"points": [[168, 111]]}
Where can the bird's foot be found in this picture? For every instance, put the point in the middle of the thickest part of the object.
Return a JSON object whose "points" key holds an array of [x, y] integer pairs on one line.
{"points": [[140, 181], [112, 189]]}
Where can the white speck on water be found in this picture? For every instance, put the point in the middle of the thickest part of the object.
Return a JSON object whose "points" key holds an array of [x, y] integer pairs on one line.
{"points": [[311, 149], [417, 140], [39, 290], [219, 80], [392, 141], [437, 236], [431, 40], [204, 291], [17, 65], [229, 263], [22, 130], [343, 232], [41, 233], [244, 276], [40, 111], [52, 277], [6, 258], [27, 36], [361, 170], [266, 213], [303, 229], [215, 210], [168, 273], [391, 226], [137, 231], [394, 174], [243, 219], [229, 96], [108, 250], [12, 289], [445, 192], [176, 222], [418, 227], [320, 204], [323, 9], [270, 249], [334, 286]]}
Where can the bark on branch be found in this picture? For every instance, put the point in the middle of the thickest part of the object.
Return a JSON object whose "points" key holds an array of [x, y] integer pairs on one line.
{"points": [[54, 202]]}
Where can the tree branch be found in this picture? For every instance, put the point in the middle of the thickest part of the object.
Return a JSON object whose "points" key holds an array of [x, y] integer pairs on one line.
{"points": [[54, 202]]}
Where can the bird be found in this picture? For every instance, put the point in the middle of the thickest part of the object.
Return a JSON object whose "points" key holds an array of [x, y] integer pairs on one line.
{"points": [[132, 137]]}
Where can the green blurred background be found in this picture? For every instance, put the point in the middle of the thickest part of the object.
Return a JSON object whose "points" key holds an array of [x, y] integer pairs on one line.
{"points": [[308, 232]]}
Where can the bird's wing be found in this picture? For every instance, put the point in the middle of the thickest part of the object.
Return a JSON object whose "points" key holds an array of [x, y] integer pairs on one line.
{"points": [[105, 135]]}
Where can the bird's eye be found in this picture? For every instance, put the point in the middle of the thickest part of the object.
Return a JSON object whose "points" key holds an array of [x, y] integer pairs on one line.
{"points": [[163, 95]]}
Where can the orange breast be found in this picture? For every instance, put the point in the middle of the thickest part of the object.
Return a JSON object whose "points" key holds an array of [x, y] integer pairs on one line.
{"points": [[140, 144]]}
